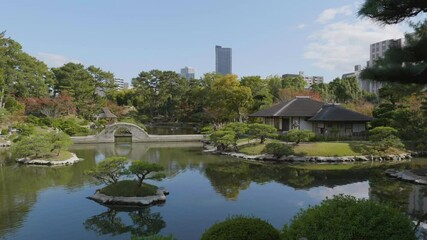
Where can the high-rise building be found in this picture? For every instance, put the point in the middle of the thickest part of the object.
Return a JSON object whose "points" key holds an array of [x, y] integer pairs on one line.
{"points": [[367, 85], [188, 73], [223, 60], [120, 83], [377, 50], [310, 80]]}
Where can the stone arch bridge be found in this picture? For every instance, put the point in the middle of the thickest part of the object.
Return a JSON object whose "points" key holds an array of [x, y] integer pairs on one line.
{"points": [[138, 135]]}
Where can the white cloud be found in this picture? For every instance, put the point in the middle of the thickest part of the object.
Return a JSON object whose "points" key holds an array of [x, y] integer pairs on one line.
{"points": [[341, 45], [358, 190], [301, 26], [330, 13], [55, 60]]}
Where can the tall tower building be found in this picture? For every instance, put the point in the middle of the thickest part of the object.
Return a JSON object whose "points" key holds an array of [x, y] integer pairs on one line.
{"points": [[223, 60], [377, 50], [188, 73]]}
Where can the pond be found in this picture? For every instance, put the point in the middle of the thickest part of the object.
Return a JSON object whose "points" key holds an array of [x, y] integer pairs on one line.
{"points": [[50, 203]]}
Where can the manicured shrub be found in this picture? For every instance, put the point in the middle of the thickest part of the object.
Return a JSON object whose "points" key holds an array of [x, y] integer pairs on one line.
{"points": [[223, 139], [110, 170], [146, 170], [239, 228], [383, 138], [261, 131], [298, 136], [278, 149], [345, 217]]}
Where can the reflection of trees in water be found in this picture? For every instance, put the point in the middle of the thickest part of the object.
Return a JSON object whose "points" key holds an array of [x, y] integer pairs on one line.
{"points": [[230, 177], [407, 197], [20, 185], [115, 222]]}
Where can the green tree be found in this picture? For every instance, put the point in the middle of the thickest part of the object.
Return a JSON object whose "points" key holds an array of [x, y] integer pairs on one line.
{"points": [[32, 146], [223, 139], [278, 149], [391, 11], [407, 64], [103, 80], [110, 170], [260, 92], [384, 138], [60, 141], [297, 136], [295, 83], [261, 131], [330, 220], [241, 228], [345, 90], [228, 100], [324, 91], [81, 85], [274, 85], [21, 75], [239, 128], [159, 92], [144, 170]]}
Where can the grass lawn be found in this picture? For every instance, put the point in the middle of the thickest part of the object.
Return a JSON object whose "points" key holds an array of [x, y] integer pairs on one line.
{"points": [[325, 149], [129, 188], [252, 149], [243, 141], [63, 155]]}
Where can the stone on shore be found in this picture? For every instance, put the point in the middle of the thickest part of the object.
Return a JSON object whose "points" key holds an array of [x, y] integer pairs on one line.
{"points": [[103, 199], [73, 159]]}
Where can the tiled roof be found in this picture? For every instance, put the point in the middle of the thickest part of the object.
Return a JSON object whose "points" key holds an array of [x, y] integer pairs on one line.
{"points": [[337, 113], [297, 107], [318, 111]]}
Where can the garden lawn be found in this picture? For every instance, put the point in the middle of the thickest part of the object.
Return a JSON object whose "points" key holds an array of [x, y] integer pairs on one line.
{"points": [[252, 149], [129, 188], [325, 149], [63, 155]]}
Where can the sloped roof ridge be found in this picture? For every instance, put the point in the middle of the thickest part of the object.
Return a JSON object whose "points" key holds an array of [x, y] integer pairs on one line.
{"points": [[284, 107]]}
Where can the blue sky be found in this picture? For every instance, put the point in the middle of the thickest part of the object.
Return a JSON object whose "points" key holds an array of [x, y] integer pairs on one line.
{"points": [[128, 36]]}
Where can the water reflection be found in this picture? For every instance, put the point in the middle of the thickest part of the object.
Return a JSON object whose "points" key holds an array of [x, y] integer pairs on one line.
{"points": [[204, 188], [230, 177], [139, 222]]}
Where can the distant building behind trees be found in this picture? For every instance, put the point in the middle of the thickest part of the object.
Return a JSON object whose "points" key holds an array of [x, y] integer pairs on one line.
{"points": [[188, 73]]}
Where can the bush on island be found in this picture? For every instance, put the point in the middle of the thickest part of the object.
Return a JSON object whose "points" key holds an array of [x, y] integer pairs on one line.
{"points": [[41, 145], [345, 217], [145, 170], [110, 170], [278, 149], [240, 228]]}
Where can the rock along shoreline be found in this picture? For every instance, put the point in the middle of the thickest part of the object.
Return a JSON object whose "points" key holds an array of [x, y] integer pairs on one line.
{"points": [[107, 200], [312, 159], [73, 159], [406, 176]]}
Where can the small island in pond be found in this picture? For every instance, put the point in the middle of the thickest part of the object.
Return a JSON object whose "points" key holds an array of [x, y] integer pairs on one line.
{"points": [[48, 148], [130, 192]]}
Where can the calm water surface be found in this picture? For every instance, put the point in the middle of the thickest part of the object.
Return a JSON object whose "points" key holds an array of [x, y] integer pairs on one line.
{"points": [[50, 203]]}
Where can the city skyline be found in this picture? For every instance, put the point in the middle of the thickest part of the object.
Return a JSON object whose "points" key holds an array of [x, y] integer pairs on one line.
{"points": [[323, 39]]}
